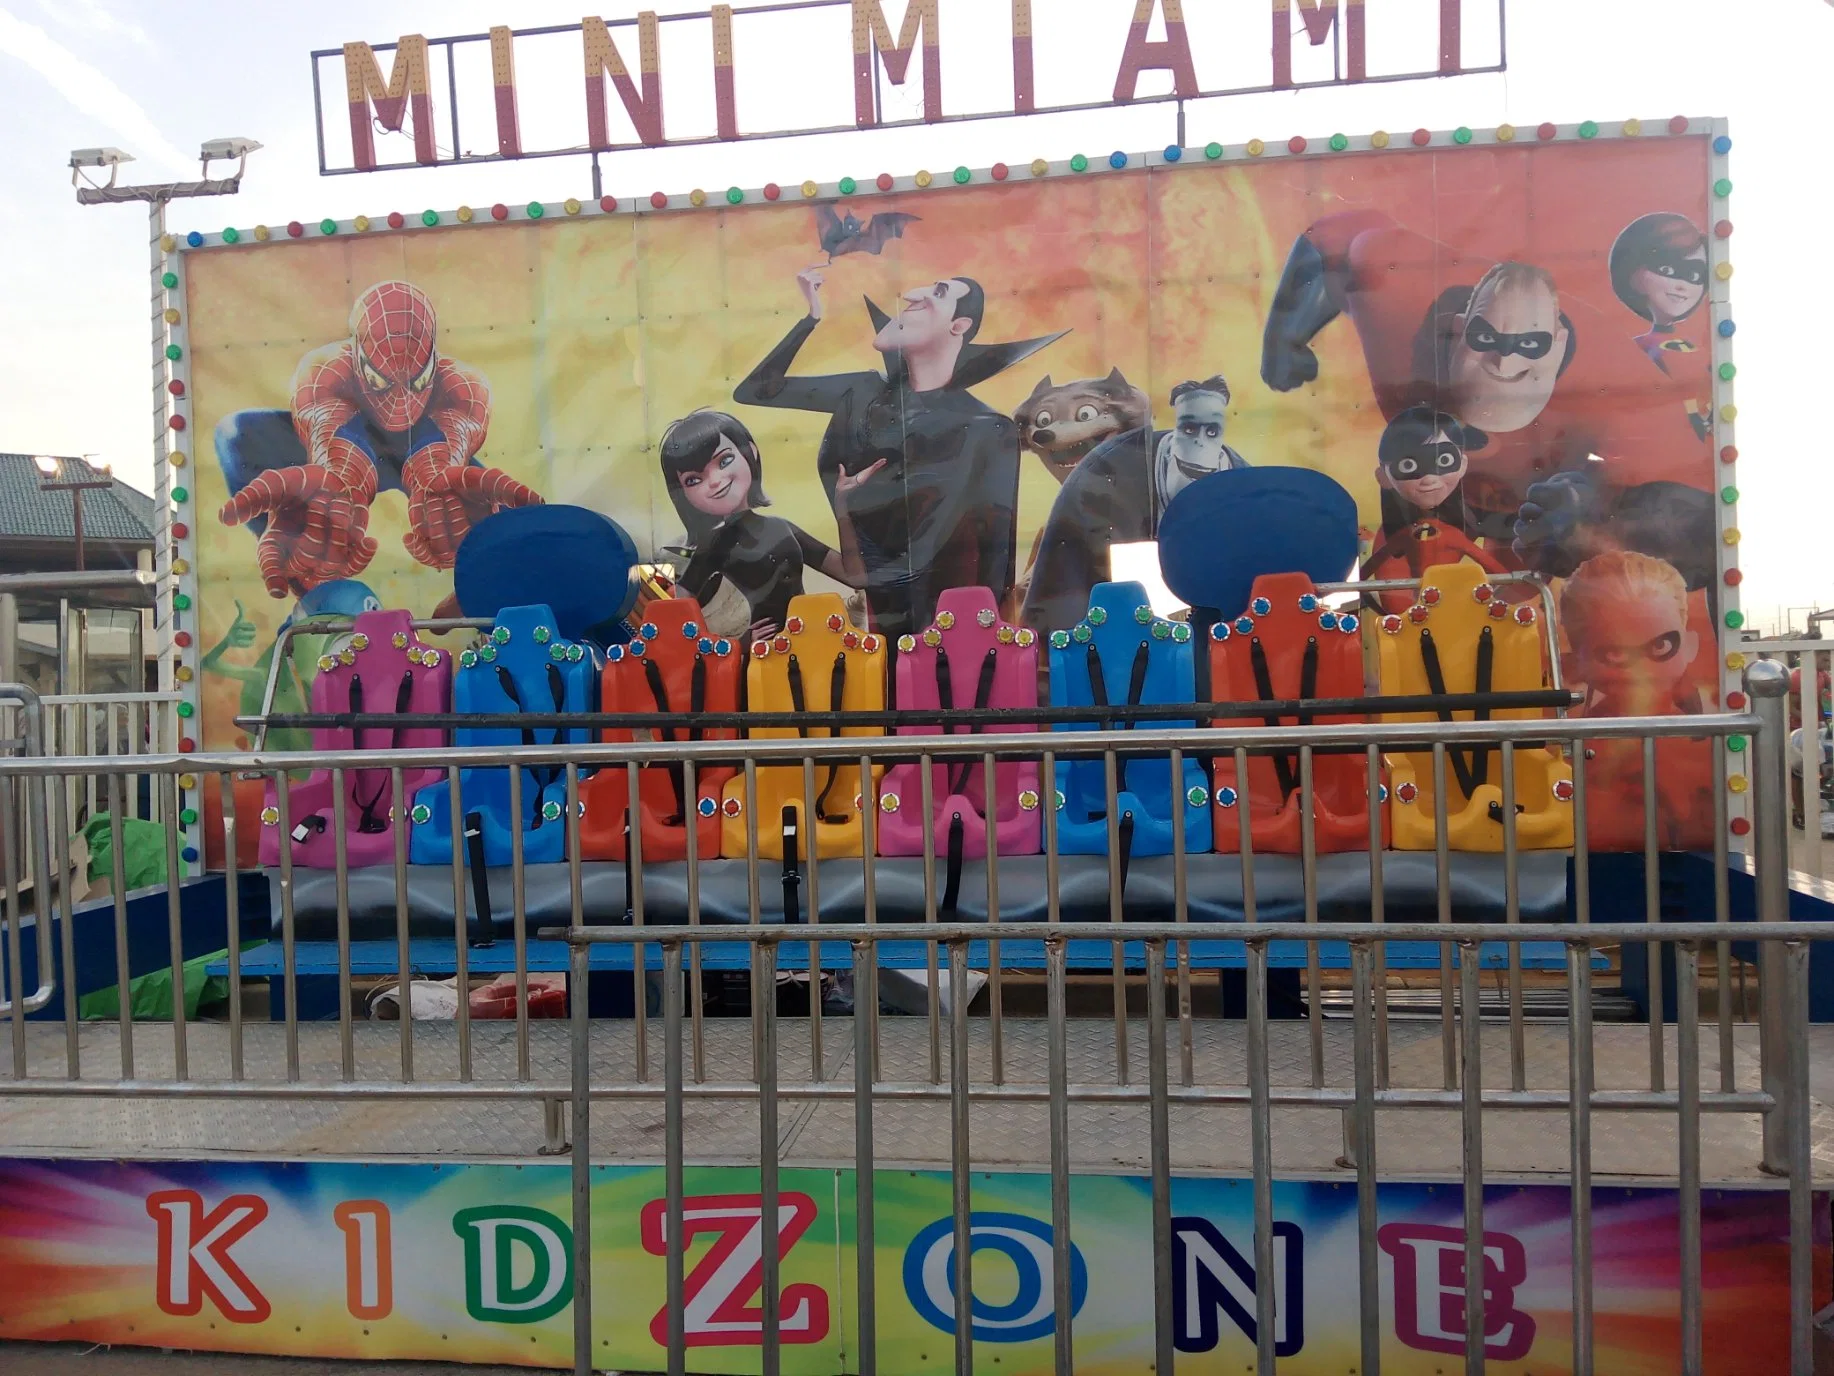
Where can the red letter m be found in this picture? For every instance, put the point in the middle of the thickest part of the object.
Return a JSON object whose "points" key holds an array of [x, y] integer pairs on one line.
{"points": [[870, 26], [404, 93]]}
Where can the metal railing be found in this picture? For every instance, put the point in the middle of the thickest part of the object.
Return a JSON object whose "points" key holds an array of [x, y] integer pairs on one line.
{"points": [[1152, 972], [1811, 749]]}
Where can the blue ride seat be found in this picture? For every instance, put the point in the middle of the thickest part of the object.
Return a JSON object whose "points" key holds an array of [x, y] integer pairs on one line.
{"points": [[1121, 654], [523, 665]]}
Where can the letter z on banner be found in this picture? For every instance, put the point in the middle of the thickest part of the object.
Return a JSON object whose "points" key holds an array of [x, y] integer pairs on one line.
{"points": [[722, 1288]]}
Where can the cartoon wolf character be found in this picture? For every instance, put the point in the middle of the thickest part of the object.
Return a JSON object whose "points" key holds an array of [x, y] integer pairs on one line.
{"points": [[1062, 424]]}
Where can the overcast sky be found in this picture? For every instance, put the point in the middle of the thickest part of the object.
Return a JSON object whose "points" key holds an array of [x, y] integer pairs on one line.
{"points": [[156, 80]]}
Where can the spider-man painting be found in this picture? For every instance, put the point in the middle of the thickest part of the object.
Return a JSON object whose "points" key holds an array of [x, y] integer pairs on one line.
{"points": [[378, 411]]}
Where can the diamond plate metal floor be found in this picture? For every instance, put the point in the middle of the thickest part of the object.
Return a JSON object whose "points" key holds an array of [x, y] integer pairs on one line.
{"points": [[1103, 1137]]}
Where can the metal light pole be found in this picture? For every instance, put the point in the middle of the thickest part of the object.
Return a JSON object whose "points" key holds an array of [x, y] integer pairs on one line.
{"points": [[54, 481]]}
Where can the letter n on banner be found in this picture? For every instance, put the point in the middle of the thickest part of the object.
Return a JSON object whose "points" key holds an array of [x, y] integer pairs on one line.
{"points": [[1318, 16], [870, 25], [404, 94], [1141, 55], [602, 58]]}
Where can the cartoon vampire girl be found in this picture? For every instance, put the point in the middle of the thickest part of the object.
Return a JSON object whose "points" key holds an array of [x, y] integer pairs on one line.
{"points": [[743, 566]]}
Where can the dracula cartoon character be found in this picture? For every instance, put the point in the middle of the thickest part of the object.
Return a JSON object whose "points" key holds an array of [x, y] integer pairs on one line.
{"points": [[1659, 271], [1422, 459], [380, 410], [743, 566], [1118, 493], [1590, 448], [936, 505]]}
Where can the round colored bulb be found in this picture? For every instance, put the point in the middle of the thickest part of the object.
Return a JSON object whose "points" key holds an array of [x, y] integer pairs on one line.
{"points": [[536, 210], [1727, 372], [848, 186], [1339, 142], [174, 353], [1727, 329], [232, 235], [1589, 129], [1213, 151], [185, 709], [1079, 163], [195, 239], [1735, 619], [734, 195], [1461, 135], [962, 176], [180, 495], [1728, 495], [429, 218], [188, 816], [1722, 145], [168, 280], [182, 601], [1117, 160], [1173, 152], [1723, 187]]}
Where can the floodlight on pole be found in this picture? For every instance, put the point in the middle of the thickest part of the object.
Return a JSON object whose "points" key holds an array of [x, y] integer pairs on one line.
{"points": [[46, 465]]}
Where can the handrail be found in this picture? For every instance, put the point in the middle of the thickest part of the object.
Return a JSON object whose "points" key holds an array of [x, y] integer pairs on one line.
{"points": [[32, 728]]}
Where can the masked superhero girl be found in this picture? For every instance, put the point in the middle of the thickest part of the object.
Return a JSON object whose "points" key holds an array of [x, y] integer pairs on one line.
{"points": [[1659, 270], [380, 410], [1423, 458], [743, 566]]}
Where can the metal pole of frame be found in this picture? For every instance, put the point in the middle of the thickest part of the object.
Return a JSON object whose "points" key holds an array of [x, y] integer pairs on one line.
{"points": [[1768, 684]]}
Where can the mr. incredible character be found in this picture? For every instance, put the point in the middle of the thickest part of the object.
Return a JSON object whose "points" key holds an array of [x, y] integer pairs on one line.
{"points": [[1422, 459], [1591, 449], [942, 512], [381, 410], [1118, 493], [1659, 271]]}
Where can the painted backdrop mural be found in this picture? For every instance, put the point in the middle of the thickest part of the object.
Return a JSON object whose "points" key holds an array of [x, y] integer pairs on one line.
{"points": [[1500, 351]]}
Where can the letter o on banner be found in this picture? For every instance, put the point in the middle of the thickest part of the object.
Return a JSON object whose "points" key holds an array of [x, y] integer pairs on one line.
{"points": [[929, 1277]]}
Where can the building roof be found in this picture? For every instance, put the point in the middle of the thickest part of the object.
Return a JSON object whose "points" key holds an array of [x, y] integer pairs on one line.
{"points": [[119, 513]]}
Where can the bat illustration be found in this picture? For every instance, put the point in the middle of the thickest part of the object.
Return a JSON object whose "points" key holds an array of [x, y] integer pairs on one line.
{"points": [[845, 234]]}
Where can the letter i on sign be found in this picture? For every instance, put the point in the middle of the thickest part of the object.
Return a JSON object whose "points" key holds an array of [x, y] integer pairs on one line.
{"points": [[369, 1259]]}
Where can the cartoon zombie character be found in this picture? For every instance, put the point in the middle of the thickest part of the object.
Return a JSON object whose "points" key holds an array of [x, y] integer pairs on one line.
{"points": [[743, 566], [380, 410], [942, 512], [1659, 270], [1422, 459], [1590, 448], [1117, 495]]}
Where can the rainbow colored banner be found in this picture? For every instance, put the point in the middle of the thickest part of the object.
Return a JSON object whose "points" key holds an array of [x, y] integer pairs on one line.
{"points": [[474, 1263]]}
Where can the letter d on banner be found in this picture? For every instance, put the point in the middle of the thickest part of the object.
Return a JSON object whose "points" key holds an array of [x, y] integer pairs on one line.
{"points": [[502, 1243], [929, 1271]]}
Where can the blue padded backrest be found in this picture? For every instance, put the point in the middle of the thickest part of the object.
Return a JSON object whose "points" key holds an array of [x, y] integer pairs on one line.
{"points": [[1115, 627], [525, 643]]}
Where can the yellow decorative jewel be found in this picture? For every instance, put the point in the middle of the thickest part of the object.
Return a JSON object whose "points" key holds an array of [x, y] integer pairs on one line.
{"points": [[1006, 635], [1254, 148], [359, 641], [414, 655], [270, 816], [888, 802], [1735, 661], [945, 621], [399, 640], [810, 190], [906, 643], [1040, 167], [347, 656], [326, 663], [571, 206], [1738, 783], [932, 637], [1028, 800], [1379, 139], [1026, 637], [360, 224]]}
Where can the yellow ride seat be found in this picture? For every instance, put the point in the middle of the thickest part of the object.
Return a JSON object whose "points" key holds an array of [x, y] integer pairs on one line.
{"points": [[1462, 636], [817, 663]]}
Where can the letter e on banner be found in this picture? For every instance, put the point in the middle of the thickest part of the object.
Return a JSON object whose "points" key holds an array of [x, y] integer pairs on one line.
{"points": [[719, 1293], [502, 1242], [369, 1259], [1429, 1266], [194, 1260]]}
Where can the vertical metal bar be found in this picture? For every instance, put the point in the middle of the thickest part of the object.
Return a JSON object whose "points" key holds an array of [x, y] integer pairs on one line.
{"points": [[1795, 970], [1368, 1268], [1053, 911], [1722, 912], [289, 949], [927, 795], [11, 839], [58, 910], [519, 924], [1061, 1254], [404, 949], [996, 992], [1118, 953], [1687, 1126], [1471, 1110], [552, 1122], [1652, 914], [1160, 1145], [175, 926], [118, 886], [767, 1154], [865, 1242], [1579, 1137], [1308, 869], [1181, 914], [1442, 873], [1582, 846], [760, 995], [639, 953], [672, 1150], [696, 976], [1378, 907], [1245, 850], [232, 915], [1512, 914], [869, 897], [461, 956], [1768, 684], [579, 1047], [340, 821], [961, 1159], [811, 863], [1260, 1127]]}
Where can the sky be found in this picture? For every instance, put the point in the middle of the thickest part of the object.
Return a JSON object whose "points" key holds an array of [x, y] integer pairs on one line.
{"points": [[158, 80]]}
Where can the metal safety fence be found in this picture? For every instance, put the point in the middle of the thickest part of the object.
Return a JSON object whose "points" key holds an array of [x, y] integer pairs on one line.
{"points": [[1485, 1055]]}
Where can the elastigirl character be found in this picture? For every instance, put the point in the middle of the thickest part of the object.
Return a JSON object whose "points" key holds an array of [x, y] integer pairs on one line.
{"points": [[380, 410], [1590, 448], [1659, 270]]}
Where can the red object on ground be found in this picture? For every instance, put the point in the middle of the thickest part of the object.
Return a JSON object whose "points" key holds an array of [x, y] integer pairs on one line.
{"points": [[547, 997]]}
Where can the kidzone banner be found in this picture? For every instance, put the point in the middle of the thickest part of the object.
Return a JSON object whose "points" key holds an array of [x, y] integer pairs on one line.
{"points": [[1503, 349], [474, 1263]]}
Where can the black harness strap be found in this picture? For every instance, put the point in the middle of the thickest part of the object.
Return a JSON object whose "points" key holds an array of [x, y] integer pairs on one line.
{"points": [[546, 775], [1286, 767], [1472, 769], [956, 776], [952, 877], [1136, 685], [837, 689], [367, 821], [697, 703]]}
